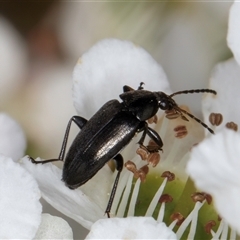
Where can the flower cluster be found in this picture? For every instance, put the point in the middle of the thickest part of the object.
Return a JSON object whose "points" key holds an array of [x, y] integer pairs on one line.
{"points": [[171, 194]]}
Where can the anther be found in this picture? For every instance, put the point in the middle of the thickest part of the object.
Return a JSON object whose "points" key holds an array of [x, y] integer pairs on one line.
{"points": [[154, 159], [232, 125], [181, 131], [166, 198], [143, 153], [177, 216], [167, 174], [201, 196], [153, 119], [142, 173], [130, 166], [208, 227], [153, 147], [215, 119], [171, 114]]}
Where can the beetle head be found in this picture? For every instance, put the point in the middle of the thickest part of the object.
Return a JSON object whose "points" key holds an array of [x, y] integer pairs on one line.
{"points": [[165, 102]]}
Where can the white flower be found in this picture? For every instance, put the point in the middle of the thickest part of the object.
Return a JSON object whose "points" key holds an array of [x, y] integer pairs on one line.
{"points": [[130, 228], [12, 138], [110, 65], [53, 228], [214, 164], [19, 202], [101, 73]]}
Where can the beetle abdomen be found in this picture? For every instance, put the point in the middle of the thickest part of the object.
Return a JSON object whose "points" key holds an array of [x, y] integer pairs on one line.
{"points": [[85, 158]]}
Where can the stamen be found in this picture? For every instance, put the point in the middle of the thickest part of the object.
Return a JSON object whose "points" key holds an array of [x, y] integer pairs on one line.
{"points": [[208, 227], [217, 234], [172, 114], [191, 217], [156, 197], [129, 165], [165, 198], [181, 131], [142, 172], [232, 125], [169, 175], [154, 159], [123, 204], [152, 146], [173, 224], [131, 209], [143, 153], [201, 196], [193, 227], [177, 217], [215, 119], [224, 232]]}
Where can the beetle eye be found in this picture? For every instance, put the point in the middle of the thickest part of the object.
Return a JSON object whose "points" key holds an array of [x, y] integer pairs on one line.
{"points": [[163, 105]]}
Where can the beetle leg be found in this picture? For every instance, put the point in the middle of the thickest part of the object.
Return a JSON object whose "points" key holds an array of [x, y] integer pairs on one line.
{"points": [[80, 122], [152, 134], [155, 137], [119, 166]]}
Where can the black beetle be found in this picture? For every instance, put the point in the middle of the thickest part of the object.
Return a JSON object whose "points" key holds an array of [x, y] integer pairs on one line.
{"points": [[110, 129]]}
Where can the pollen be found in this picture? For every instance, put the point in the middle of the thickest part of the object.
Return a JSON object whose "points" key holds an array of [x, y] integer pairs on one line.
{"points": [[215, 119], [180, 131], [232, 125]]}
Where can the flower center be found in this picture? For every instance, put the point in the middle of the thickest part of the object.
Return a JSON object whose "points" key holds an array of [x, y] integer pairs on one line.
{"points": [[155, 184]]}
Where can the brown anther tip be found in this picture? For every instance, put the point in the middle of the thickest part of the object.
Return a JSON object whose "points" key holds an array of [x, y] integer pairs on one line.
{"points": [[208, 198], [167, 174], [143, 153], [154, 159], [201, 196], [171, 114], [232, 125], [153, 119], [181, 131], [144, 169], [177, 216], [198, 197], [141, 173], [166, 198], [215, 119], [130, 166], [208, 227]]}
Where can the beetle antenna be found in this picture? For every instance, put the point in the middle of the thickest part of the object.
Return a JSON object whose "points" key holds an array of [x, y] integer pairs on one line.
{"points": [[194, 91], [196, 119]]}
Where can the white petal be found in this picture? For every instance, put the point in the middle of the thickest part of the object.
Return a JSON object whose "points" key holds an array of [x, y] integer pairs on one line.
{"points": [[73, 203], [233, 37], [12, 138], [13, 61], [214, 166], [52, 227], [19, 202], [226, 81], [102, 72], [130, 228]]}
